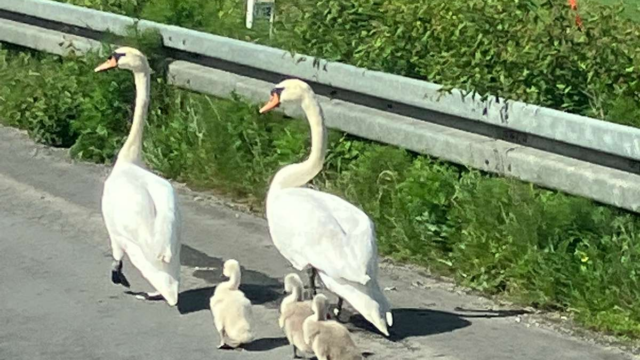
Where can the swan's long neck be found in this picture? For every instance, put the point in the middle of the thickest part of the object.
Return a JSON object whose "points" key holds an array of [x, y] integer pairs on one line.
{"points": [[132, 149], [295, 175]]}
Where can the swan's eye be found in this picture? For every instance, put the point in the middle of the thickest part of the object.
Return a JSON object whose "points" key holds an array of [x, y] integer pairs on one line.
{"points": [[117, 56], [276, 91]]}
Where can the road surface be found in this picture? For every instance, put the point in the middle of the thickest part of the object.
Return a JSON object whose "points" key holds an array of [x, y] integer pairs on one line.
{"points": [[57, 300]]}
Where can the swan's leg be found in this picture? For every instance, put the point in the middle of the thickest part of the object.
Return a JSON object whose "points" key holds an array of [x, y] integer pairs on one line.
{"points": [[117, 277], [338, 310], [295, 352], [312, 280]]}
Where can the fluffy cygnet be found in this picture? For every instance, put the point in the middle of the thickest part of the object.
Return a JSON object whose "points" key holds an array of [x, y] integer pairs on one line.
{"points": [[329, 339], [293, 313], [231, 309]]}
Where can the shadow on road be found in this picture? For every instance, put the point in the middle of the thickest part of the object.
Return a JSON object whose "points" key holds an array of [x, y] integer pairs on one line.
{"points": [[266, 344], [414, 323], [194, 300], [488, 314], [198, 299], [264, 290], [424, 322], [260, 288]]}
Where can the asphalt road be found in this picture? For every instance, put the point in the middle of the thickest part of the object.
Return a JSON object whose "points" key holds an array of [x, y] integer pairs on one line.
{"points": [[57, 301]]}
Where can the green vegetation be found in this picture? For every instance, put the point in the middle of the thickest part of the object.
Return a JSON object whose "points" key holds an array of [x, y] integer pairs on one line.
{"points": [[528, 50], [497, 235], [631, 7]]}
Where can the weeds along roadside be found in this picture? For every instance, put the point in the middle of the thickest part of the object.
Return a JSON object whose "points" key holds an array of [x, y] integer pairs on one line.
{"points": [[526, 50], [497, 235]]}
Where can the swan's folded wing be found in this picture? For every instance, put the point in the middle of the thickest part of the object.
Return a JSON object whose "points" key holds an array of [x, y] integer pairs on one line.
{"points": [[324, 231], [127, 206], [163, 243]]}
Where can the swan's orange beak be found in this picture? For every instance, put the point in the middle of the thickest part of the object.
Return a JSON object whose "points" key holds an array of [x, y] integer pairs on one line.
{"points": [[109, 64], [273, 103]]}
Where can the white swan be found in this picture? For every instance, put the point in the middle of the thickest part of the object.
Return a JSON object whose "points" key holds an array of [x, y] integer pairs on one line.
{"points": [[321, 231], [329, 340], [293, 312], [231, 310], [139, 207]]}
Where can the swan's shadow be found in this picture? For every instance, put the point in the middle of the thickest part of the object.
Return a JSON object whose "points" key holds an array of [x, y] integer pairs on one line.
{"points": [[264, 290], [423, 322], [259, 288], [266, 344], [194, 300]]}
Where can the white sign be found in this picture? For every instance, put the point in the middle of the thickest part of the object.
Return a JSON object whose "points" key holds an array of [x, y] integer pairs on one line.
{"points": [[260, 9]]}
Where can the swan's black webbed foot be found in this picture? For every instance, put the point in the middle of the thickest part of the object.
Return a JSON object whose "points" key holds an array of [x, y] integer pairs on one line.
{"points": [[155, 296], [117, 277], [152, 297]]}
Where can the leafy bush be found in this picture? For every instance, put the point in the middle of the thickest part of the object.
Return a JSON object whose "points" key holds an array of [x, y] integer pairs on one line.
{"points": [[48, 119], [122, 7], [221, 17], [496, 235], [528, 50]]}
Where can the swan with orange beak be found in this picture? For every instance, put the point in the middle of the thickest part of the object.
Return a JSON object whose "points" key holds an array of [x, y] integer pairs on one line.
{"points": [[319, 231], [139, 207]]}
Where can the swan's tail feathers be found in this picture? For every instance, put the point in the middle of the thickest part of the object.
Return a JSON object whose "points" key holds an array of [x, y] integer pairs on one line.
{"points": [[365, 280], [380, 324], [389, 319], [368, 300], [170, 293], [172, 300]]}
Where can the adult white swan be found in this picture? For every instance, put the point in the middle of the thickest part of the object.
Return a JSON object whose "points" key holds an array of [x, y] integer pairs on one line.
{"points": [[139, 207], [321, 231]]}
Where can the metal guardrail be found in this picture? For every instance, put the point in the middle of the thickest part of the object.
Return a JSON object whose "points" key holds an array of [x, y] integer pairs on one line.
{"points": [[575, 154], [571, 135]]}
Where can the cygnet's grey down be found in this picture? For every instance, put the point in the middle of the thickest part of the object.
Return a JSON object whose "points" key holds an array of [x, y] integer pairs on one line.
{"points": [[231, 310], [329, 339], [293, 312]]}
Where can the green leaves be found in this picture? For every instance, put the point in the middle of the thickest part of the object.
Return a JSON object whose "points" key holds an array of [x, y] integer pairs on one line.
{"points": [[484, 46], [518, 49]]}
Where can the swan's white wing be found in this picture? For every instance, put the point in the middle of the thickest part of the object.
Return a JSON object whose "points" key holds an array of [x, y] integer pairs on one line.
{"points": [[322, 230], [166, 219], [140, 207]]}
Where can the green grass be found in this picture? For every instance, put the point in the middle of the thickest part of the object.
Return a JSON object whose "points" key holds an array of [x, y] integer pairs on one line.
{"points": [[500, 236], [631, 7]]}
